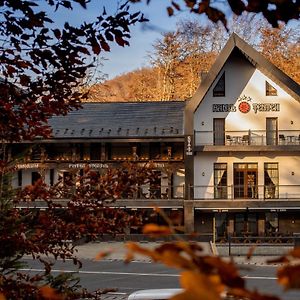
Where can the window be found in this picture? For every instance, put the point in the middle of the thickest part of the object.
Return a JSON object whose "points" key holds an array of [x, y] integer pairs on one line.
{"points": [[95, 151], [270, 90], [35, 176], [219, 89], [271, 224], [220, 181], [20, 179], [51, 177], [271, 180]]}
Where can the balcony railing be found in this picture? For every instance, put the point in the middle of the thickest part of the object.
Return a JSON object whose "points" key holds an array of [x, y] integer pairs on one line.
{"points": [[142, 192], [247, 137], [240, 192]]}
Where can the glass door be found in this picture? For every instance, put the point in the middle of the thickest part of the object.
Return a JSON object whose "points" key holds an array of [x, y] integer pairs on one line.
{"points": [[271, 131], [245, 181]]}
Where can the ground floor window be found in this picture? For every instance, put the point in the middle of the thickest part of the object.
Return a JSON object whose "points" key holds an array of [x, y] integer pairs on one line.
{"points": [[271, 224], [245, 224], [221, 226]]}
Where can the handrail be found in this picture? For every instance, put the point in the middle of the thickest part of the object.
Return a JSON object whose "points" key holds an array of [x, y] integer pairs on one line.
{"points": [[237, 192], [247, 137]]}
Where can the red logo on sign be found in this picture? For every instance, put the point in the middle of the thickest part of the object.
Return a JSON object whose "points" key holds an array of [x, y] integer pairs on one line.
{"points": [[244, 107]]}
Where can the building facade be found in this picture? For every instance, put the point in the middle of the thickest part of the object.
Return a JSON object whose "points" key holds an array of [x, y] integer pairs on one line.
{"points": [[228, 159], [243, 172], [103, 136]]}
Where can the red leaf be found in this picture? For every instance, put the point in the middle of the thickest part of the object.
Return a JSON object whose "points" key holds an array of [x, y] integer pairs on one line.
{"points": [[105, 46]]}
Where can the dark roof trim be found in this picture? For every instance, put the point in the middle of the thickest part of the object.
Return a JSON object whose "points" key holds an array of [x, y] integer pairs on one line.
{"points": [[108, 140], [256, 59]]}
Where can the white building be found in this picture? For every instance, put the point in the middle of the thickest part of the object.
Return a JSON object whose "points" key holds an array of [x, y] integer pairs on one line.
{"points": [[243, 161], [240, 135]]}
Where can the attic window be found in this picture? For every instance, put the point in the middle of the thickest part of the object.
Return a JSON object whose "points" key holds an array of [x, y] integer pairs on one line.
{"points": [[270, 90], [219, 89]]}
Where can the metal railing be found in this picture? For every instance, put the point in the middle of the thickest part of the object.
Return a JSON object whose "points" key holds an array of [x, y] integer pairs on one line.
{"points": [[247, 137], [238, 192], [143, 192]]}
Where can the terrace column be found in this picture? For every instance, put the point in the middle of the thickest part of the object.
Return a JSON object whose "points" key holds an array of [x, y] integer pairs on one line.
{"points": [[230, 224], [103, 154], [261, 225], [189, 223]]}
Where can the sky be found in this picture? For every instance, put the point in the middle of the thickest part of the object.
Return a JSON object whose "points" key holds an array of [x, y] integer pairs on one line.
{"points": [[124, 59]]}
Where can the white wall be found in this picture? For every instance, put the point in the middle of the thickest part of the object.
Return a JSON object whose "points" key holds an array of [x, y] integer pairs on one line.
{"points": [[241, 78]]}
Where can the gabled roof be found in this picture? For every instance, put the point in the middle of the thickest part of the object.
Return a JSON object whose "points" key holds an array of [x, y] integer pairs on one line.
{"points": [[256, 59], [121, 120]]}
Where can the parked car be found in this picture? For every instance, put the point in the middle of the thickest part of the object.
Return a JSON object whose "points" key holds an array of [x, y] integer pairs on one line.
{"points": [[154, 294], [162, 294]]}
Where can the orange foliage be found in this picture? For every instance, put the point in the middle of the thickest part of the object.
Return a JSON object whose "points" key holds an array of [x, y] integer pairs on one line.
{"points": [[50, 293]]}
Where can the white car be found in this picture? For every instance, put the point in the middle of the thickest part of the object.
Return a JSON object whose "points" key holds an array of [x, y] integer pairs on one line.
{"points": [[154, 294]]}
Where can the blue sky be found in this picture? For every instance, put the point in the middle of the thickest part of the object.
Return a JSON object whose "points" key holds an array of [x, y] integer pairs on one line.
{"points": [[121, 60]]}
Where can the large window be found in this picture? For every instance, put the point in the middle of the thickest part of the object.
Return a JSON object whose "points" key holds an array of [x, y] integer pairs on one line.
{"points": [[219, 89], [271, 183], [220, 181], [245, 180]]}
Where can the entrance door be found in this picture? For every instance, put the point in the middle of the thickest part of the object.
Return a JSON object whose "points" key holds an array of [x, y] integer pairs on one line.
{"points": [[245, 181], [271, 131], [219, 131]]}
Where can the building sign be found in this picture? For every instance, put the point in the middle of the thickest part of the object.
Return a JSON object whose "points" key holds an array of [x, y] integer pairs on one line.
{"points": [[91, 166], [29, 166], [223, 108], [188, 145], [245, 104]]}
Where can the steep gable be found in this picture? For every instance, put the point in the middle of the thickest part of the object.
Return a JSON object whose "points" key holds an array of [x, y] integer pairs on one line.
{"points": [[235, 43]]}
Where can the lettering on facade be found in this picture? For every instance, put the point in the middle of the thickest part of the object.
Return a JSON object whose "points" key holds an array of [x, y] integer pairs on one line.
{"points": [[189, 145], [245, 104], [224, 108], [91, 166], [28, 166], [258, 107]]}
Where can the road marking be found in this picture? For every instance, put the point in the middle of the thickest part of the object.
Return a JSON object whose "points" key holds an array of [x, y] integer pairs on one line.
{"points": [[260, 277], [132, 274], [102, 272]]}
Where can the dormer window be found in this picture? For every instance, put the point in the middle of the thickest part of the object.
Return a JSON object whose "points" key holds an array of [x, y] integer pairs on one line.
{"points": [[219, 89], [270, 90]]}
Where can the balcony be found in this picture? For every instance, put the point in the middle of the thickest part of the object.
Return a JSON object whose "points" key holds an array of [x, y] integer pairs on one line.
{"points": [[144, 196], [253, 139], [237, 193]]}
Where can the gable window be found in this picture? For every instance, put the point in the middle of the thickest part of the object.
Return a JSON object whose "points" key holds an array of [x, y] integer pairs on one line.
{"points": [[270, 90], [219, 89]]}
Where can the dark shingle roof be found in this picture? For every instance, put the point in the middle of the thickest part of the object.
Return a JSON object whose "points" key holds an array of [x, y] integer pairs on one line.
{"points": [[121, 119]]}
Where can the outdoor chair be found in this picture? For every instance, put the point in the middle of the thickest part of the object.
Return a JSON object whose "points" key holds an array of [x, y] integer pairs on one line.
{"points": [[229, 140], [282, 139], [245, 139]]}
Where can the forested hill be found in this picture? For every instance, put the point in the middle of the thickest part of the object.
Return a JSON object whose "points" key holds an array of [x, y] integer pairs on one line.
{"points": [[180, 58]]}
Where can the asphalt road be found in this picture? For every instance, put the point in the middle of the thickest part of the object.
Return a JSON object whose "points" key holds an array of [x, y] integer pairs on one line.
{"points": [[142, 275]]}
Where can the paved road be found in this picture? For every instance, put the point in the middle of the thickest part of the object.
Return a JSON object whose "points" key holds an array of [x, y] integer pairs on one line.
{"points": [[144, 275]]}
